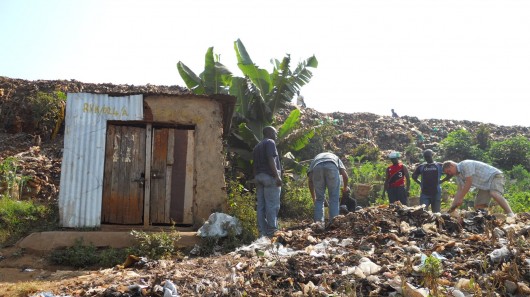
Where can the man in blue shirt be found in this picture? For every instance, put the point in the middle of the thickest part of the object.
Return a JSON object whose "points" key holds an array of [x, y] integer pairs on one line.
{"points": [[267, 174], [430, 183]]}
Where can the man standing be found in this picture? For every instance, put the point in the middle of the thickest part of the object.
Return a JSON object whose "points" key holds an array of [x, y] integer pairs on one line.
{"points": [[430, 183], [324, 173], [396, 176], [487, 179], [267, 173]]}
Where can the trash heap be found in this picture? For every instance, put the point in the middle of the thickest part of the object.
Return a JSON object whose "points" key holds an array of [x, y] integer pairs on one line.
{"points": [[38, 169], [376, 251]]}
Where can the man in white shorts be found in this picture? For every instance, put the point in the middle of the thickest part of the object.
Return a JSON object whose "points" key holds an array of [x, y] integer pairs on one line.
{"points": [[487, 179]]}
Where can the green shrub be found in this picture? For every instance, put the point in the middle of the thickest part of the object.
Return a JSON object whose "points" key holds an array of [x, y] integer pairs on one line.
{"points": [[48, 111], [431, 271], [367, 151], [365, 172], [510, 152], [78, 256], [517, 179], [325, 131], [296, 201], [11, 183], [154, 245], [459, 145], [17, 218], [483, 137], [111, 257], [519, 201], [82, 255], [242, 205]]}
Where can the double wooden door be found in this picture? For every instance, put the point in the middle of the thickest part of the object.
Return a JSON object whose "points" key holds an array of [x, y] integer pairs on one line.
{"points": [[148, 175]]}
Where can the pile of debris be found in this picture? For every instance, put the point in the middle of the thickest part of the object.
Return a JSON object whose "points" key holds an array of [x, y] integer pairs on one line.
{"points": [[376, 251], [38, 168], [389, 133]]}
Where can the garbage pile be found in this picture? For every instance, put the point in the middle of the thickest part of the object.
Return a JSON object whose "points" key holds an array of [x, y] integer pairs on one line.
{"points": [[376, 251], [35, 170], [389, 133]]}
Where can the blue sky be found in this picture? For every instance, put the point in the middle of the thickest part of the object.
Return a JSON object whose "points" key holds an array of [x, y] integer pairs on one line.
{"points": [[461, 59]]}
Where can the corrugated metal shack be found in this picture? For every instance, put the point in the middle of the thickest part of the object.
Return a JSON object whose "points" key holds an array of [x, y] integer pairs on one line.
{"points": [[146, 159]]}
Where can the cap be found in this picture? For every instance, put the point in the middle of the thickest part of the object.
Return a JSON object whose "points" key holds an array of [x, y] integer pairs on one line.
{"points": [[394, 155], [428, 153]]}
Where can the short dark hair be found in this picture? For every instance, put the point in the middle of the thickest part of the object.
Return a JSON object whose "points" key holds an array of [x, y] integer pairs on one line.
{"points": [[427, 153]]}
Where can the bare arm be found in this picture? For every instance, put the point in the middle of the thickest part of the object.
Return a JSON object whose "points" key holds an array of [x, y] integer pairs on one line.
{"points": [[272, 167], [415, 176], [462, 191], [385, 186], [407, 176], [311, 186], [344, 175]]}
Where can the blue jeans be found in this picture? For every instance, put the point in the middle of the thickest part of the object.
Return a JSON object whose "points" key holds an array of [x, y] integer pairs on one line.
{"points": [[326, 175], [268, 196], [434, 201]]}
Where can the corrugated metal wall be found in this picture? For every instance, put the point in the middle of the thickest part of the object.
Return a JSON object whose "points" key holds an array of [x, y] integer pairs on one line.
{"points": [[81, 189]]}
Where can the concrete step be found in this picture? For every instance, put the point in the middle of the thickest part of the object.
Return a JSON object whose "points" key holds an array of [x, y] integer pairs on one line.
{"points": [[51, 240]]}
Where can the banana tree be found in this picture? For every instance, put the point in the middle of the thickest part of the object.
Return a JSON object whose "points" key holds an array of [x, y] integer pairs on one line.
{"points": [[215, 79], [260, 95]]}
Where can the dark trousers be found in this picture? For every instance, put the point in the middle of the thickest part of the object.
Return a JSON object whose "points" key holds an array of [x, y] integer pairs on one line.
{"points": [[397, 194]]}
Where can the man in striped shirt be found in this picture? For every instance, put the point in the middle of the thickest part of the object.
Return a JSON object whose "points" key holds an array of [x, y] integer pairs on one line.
{"points": [[487, 179]]}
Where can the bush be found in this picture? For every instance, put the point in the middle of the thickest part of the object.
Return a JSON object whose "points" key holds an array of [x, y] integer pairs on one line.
{"points": [[242, 205], [111, 257], [296, 201], [17, 218], [513, 151], [483, 137], [325, 131], [82, 256], [368, 152], [154, 245], [459, 145], [519, 201], [78, 256], [11, 182], [48, 112]]}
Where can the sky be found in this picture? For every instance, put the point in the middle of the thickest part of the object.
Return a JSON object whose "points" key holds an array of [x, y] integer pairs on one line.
{"points": [[451, 59]]}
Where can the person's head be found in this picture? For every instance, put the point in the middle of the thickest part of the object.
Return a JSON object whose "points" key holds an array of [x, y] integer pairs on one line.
{"points": [[449, 168], [270, 132], [394, 157], [427, 155]]}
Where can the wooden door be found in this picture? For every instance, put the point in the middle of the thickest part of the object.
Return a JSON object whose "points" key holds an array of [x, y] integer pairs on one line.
{"points": [[171, 176], [123, 183]]}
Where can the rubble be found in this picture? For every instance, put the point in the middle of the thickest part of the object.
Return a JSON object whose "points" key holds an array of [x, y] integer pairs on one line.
{"points": [[375, 251]]}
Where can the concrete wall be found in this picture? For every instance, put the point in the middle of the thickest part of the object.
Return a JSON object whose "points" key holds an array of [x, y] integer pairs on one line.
{"points": [[206, 115]]}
